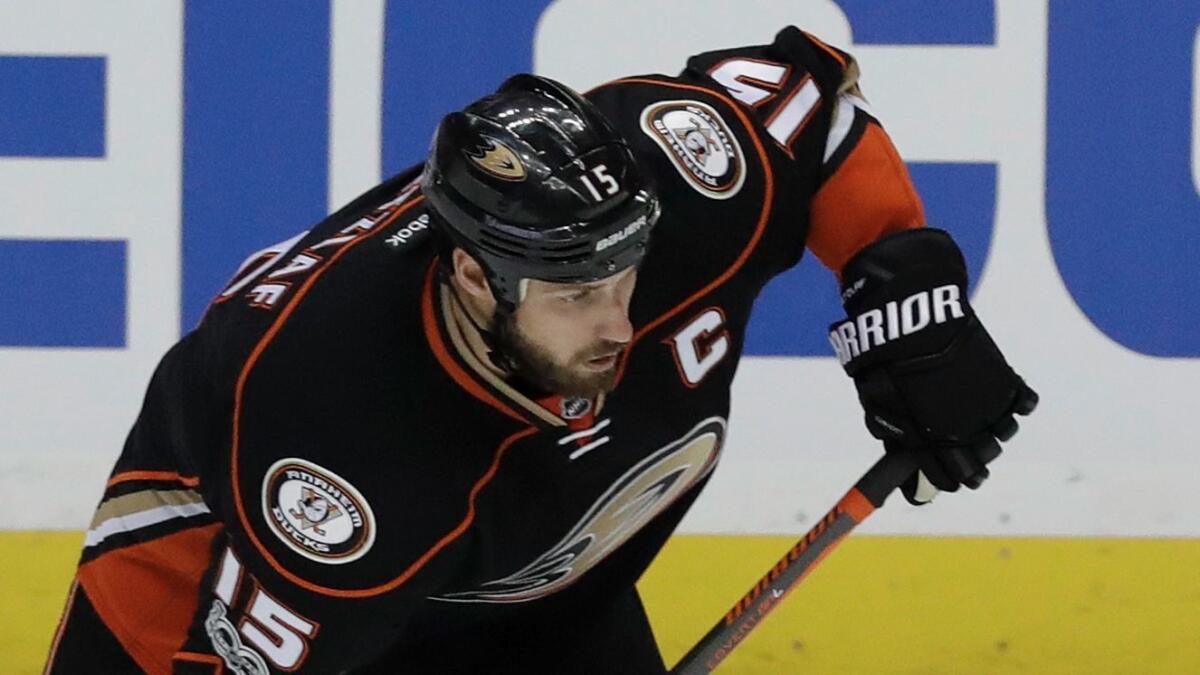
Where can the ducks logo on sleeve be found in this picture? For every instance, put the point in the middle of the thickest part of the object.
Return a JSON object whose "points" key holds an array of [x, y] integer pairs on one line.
{"points": [[317, 513], [699, 144]]}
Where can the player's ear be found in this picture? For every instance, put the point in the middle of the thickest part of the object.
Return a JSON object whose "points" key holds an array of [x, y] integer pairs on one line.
{"points": [[469, 274]]}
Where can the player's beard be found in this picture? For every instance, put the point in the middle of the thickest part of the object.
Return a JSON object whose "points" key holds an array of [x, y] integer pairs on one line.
{"points": [[535, 365]]}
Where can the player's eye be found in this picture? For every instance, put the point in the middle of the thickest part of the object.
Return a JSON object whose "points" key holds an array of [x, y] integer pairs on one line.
{"points": [[576, 296]]}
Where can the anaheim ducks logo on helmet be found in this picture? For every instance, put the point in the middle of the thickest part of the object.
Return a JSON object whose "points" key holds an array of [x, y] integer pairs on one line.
{"points": [[496, 158]]}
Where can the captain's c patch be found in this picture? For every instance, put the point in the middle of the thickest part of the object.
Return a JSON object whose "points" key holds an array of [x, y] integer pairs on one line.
{"points": [[699, 144]]}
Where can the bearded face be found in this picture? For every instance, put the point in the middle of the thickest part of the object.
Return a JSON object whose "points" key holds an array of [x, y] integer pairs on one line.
{"points": [[586, 373]]}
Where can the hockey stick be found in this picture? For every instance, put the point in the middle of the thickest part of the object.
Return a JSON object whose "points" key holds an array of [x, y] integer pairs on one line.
{"points": [[867, 495]]}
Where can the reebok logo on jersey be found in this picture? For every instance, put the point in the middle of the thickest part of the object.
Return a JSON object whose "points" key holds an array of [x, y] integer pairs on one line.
{"points": [[404, 234], [876, 327], [316, 512], [270, 289], [699, 144]]}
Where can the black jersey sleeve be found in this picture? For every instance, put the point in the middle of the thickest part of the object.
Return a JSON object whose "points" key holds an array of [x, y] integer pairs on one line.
{"points": [[807, 96], [830, 157], [327, 548], [343, 508]]}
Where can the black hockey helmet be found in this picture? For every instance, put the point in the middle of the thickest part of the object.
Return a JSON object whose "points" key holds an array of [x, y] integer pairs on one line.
{"points": [[535, 183]]}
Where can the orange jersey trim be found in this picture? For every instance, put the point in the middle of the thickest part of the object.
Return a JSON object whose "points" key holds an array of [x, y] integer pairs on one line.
{"points": [[207, 659], [188, 481], [467, 519], [259, 348], [237, 410], [251, 267], [147, 594], [832, 52], [442, 353], [420, 562], [760, 227], [869, 195], [62, 626]]}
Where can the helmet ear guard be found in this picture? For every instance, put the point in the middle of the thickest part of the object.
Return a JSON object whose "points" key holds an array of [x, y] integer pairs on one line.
{"points": [[534, 183]]}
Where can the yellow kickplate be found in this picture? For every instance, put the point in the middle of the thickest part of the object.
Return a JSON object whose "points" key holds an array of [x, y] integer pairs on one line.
{"points": [[876, 605], [944, 605], [38, 568]]}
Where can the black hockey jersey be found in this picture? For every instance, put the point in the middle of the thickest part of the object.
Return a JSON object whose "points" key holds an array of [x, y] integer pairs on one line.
{"points": [[324, 472]]}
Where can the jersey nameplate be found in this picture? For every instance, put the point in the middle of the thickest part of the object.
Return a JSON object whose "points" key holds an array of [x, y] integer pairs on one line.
{"points": [[269, 288], [699, 144]]}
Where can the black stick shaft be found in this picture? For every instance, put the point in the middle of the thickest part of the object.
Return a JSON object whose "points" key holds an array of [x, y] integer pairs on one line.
{"points": [[860, 501]]}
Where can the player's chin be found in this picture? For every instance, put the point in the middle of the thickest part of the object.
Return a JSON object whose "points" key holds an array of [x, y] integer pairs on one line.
{"points": [[589, 380]]}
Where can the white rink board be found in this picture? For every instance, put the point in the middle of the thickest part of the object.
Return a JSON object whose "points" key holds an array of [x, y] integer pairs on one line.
{"points": [[1112, 450], [65, 412], [1109, 452]]}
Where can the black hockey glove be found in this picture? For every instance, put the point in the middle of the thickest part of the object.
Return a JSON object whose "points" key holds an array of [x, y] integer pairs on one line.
{"points": [[929, 377]]}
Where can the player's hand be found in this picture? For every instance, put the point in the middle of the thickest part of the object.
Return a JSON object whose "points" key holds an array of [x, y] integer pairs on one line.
{"points": [[947, 461], [930, 379]]}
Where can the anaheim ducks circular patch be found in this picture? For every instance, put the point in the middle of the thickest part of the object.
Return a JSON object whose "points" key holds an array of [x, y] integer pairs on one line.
{"points": [[316, 512], [699, 144]]}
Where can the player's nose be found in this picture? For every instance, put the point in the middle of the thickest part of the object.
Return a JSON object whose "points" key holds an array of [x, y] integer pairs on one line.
{"points": [[615, 325]]}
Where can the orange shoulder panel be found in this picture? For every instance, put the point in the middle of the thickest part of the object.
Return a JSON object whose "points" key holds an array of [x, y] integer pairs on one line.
{"points": [[148, 593], [869, 195]]}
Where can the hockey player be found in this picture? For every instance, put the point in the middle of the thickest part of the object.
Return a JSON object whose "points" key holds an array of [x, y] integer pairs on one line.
{"points": [[448, 428]]}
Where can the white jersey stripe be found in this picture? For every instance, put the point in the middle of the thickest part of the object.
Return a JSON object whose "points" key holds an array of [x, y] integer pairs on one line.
{"points": [[589, 447], [591, 431], [140, 519], [794, 112], [228, 577], [843, 120], [860, 103]]}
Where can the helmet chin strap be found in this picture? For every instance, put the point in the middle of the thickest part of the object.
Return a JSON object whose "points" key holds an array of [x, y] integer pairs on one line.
{"points": [[498, 356], [496, 353]]}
